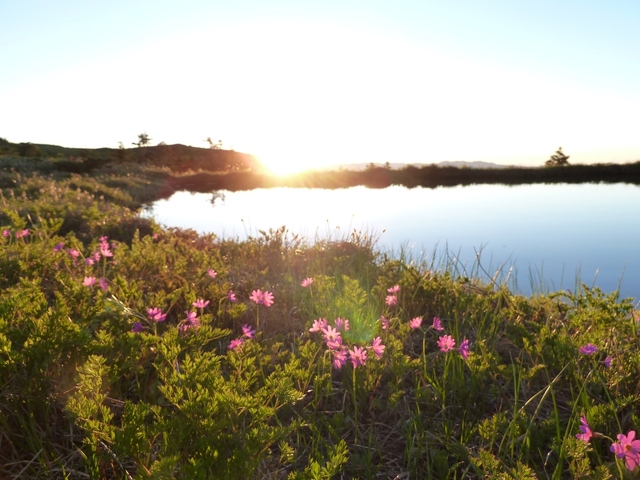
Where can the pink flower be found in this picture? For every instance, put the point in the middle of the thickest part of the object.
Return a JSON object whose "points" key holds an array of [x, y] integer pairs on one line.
{"points": [[358, 356], [256, 296], [377, 347], [212, 273], [104, 285], [104, 250], [191, 322], [391, 300], [247, 331], [306, 282], [22, 233], [6, 233], [446, 343], [607, 361], [156, 314], [260, 297], [342, 324], [628, 448], [437, 324], [464, 349], [96, 256], [588, 349], [384, 323], [267, 299], [318, 325], [232, 297], [585, 431], [137, 327], [415, 322], [57, 248], [89, 261], [330, 333], [394, 289], [73, 253], [339, 358], [89, 281], [200, 303], [233, 344], [335, 344]]}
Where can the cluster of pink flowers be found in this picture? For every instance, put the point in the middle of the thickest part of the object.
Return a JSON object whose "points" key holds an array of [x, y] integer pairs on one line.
{"points": [[446, 343], [392, 298], [104, 248], [590, 349], [626, 447], [75, 254], [341, 352], [191, 322], [262, 298], [247, 334], [91, 281], [6, 233], [156, 314]]}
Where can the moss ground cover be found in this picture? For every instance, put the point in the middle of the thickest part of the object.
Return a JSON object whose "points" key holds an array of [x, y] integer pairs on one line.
{"points": [[132, 351]]}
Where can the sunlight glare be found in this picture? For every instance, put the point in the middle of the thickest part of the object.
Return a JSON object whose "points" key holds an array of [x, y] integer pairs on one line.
{"points": [[283, 164]]}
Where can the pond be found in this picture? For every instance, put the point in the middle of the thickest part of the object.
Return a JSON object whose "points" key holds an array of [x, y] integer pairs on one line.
{"points": [[541, 237]]}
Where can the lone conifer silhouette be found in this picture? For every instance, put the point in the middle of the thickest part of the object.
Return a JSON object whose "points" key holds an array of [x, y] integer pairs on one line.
{"points": [[558, 159]]}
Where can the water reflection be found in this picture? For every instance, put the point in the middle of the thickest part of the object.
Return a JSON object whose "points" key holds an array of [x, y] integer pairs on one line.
{"points": [[217, 196], [549, 234]]}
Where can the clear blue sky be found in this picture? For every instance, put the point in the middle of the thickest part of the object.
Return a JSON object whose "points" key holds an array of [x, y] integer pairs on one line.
{"points": [[309, 83]]}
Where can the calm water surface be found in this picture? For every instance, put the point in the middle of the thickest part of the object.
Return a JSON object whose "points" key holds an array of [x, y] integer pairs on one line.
{"points": [[549, 235]]}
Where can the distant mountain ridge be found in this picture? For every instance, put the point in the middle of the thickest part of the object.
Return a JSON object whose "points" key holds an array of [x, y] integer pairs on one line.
{"points": [[397, 166]]}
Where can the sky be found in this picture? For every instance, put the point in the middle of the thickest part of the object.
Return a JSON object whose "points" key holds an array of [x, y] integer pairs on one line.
{"points": [[302, 84]]}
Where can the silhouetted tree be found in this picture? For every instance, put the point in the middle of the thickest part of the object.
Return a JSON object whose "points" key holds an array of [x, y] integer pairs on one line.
{"points": [[558, 159], [214, 146], [143, 140], [121, 151]]}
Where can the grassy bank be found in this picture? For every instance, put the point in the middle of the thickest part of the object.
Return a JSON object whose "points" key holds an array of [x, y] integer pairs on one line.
{"points": [[151, 173], [131, 351]]}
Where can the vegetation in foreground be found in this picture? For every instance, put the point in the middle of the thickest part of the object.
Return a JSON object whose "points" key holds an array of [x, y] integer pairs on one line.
{"points": [[129, 351]]}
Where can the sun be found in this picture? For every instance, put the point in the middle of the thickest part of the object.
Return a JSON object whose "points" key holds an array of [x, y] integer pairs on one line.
{"points": [[287, 163]]}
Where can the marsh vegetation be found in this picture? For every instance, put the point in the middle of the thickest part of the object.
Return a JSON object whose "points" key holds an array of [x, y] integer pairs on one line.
{"points": [[134, 351]]}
